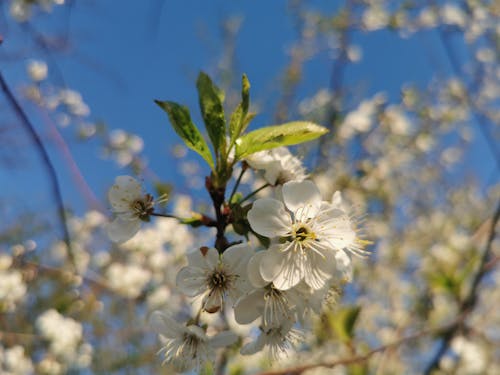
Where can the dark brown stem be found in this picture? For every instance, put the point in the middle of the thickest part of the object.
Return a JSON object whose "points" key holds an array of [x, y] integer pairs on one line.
{"points": [[217, 194]]}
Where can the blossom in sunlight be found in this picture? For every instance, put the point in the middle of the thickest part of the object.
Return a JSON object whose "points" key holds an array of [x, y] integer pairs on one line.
{"points": [[215, 276], [37, 70], [128, 280], [64, 334], [278, 339], [313, 236], [130, 205], [187, 346], [264, 300], [14, 361], [12, 286], [278, 164]]}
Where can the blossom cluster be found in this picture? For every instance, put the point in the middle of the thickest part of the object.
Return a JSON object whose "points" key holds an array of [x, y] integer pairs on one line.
{"points": [[310, 242]]}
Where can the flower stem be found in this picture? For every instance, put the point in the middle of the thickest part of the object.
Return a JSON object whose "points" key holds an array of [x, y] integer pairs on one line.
{"points": [[244, 167], [254, 192]]}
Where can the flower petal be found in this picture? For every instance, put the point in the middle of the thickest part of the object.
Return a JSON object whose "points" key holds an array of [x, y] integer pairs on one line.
{"points": [[125, 191], [223, 339], [269, 218], [204, 258], [249, 307], [291, 272], [191, 281], [272, 263], [254, 346], [212, 302], [319, 268], [236, 258], [302, 198], [344, 265], [337, 199], [121, 230], [253, 270], [165, 325]]}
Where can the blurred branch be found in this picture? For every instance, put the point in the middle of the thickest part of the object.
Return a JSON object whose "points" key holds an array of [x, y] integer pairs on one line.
{"points": [[469, 302], [56, 191], [362, 357]]}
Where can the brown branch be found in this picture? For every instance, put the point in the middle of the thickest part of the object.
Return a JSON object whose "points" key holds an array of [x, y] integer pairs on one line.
{"points": [[51, 172]]}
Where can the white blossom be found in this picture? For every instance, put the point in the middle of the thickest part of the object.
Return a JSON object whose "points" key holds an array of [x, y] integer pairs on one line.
{"points": [[278, 339], [278, 164], [128, 280], [130, 205], [64, 334], [313, 235], [187, 346], [214, 276], [264, 300], [13, 361], [12, 286], [37, 70]]}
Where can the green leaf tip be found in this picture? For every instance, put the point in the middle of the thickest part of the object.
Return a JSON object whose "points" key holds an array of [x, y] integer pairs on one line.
{"points": [[212, 110], [180, 119]]}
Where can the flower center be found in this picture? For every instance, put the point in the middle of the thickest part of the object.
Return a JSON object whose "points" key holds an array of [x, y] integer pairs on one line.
{"points": [[144, 207], [302, 233], [219, 280]]}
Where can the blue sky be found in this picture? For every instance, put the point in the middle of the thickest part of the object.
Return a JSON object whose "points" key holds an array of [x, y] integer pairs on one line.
{"points": [[125, 54]]}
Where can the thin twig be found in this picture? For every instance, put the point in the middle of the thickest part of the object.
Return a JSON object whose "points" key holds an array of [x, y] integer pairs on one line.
{"points": [[56, 191], [235, 187], [254, 192]]}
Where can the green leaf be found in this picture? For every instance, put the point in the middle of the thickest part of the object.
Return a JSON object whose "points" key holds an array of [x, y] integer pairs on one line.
{"points": [[238, 121], [181, 121], [278, 135], [344, 321], [211, 98]]}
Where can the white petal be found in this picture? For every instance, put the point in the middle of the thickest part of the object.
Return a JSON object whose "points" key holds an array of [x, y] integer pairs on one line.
{"points": [[164, 324], [249, 307], [191, 281], [125, 191], [273, 171], [338, 229], [272, 263], [254, 346], [223, 339], [120, 230], [269, 218], [337, 199], [205, 259], [292, 271], [319, 268], [197, 331], [302, 198], [344, 265], [253, 270], [212, 302], [236, 258]]}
